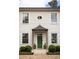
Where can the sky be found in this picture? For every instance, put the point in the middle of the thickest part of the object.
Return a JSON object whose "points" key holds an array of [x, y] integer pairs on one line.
{"points": [[34, 3]]}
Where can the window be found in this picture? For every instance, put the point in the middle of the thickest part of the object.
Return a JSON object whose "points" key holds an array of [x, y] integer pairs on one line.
{"points": [[54, 38], [54, 17], [25, 38], [39, 17], [26, 18]]}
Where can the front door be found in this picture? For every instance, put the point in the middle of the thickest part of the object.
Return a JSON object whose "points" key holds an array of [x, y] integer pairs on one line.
{"points": [[39, 41]]}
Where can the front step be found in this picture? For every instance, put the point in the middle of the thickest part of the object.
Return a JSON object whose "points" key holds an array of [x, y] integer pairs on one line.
{"points": [[39, 51]]}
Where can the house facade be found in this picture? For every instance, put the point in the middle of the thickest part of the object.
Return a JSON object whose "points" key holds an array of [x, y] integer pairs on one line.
{"points": [[39, 27]]}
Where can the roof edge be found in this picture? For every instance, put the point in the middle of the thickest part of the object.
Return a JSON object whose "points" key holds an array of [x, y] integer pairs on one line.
{"points": [[21, 9]]}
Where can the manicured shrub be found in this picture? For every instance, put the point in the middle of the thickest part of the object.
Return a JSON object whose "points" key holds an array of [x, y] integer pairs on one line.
{"points": [[25, 48], [57, 48], [28, 48], [52, 48], [22, 49]]}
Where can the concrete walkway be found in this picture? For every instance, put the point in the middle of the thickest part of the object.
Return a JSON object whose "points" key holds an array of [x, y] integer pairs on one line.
{"points": [[39, 51], [39, 57]]}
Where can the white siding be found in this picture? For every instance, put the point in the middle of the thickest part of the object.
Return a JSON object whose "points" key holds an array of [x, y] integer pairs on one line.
{"points": [[34, 22]]}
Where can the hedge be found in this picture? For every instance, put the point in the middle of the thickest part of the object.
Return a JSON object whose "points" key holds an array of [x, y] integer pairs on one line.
{"points": [[25, 48], [53, 50], [57, 48]]}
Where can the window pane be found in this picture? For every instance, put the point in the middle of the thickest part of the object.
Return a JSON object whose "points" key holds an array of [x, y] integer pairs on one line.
{"points": [[54, 41], [54, 17], [26, 18], [25, 38], [54, 35], [54, 38]]}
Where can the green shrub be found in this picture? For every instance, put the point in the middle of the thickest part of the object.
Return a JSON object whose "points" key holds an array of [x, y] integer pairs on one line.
{"points": [[25, 48], [52, 48], [28, 48], [22, 49], [57, 48]]}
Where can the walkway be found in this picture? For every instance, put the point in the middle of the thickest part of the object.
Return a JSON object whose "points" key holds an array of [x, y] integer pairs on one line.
{"points": [[39, 57]]}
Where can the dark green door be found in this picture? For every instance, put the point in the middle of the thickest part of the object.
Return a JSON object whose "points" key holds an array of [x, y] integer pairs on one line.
{"points": [[39, 40]]}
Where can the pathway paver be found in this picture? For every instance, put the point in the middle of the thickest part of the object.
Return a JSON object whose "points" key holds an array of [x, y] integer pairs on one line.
{"points": [[39, 57]]}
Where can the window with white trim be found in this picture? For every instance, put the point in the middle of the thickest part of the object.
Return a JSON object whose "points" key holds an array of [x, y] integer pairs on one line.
{"points": [[26, 18], [54, 38], [54, 17], [25, 38]]}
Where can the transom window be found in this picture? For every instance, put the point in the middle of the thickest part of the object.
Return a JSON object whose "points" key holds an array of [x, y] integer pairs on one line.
{"points": [[54, 17], [54, 38], [26, 18], [25, 38]]}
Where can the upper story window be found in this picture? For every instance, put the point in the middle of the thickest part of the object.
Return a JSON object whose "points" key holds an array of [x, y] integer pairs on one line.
{"points": [[26, 18], [54, 17], [54, 38], [25, 38], [39, 17]]}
